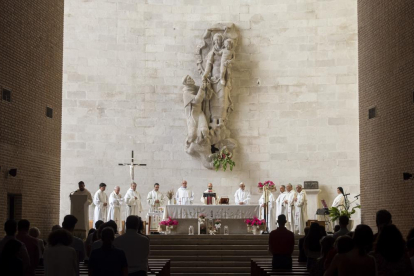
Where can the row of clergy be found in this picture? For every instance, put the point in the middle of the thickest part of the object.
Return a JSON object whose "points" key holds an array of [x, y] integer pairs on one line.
{"points": [[291, 203]]}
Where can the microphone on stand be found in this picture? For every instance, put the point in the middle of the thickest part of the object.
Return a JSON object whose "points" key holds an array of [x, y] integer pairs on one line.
{"points": [[356, 196], [346, 194]]}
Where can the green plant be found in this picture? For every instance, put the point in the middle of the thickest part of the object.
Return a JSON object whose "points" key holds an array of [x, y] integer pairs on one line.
{"points": [[335, 213], [223, 159]]}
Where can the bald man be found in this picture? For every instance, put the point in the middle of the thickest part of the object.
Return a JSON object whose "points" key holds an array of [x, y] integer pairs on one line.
{"points": [[242, 197], [205, 200], [183, 195], [114, 212]]}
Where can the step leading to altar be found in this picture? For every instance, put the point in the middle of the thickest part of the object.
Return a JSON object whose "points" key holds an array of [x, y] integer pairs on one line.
{"points": [[211, 254]]}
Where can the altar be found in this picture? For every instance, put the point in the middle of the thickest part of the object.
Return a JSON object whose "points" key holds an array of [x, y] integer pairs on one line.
{"points": [[232, 216]]}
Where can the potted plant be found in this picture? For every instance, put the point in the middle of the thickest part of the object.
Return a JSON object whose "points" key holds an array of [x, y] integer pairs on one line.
{"points": [[170, 195], [256, 225], [202, 227], [217, 225], [168, 224], [343, 210]]}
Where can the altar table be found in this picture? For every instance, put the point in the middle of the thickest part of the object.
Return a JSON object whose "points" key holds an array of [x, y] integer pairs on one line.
{"points": [[231, 215]]}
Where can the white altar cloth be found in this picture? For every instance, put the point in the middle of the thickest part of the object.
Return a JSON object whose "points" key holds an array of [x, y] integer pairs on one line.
{"points": [[212, 211]]}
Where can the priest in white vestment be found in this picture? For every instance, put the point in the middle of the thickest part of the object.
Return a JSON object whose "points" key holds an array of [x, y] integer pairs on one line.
{"points": [[301, 210], [242, 197], [100, 199], [133, 201], [290, 202], [281, 206], [271, 215], [155, 198], [205, 200], [183, 195], [339, 201], [115, 202]]}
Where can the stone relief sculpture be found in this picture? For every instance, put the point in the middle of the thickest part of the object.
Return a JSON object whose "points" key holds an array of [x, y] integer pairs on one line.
{"points": [[208, 107]]}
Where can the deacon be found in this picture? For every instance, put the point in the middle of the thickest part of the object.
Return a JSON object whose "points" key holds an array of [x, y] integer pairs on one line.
{"points": [[133, 201], [242, 197], [155, 199], [301, 210], [100, 199], [280, 202], [270, 215], [83, 191], [183, 195], [209, 200], [114, 212], [290, 202]]}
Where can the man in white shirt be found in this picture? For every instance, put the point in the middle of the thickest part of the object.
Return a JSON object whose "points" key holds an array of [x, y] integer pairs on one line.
{"points": [[133, 201], [135, 246], [290, 202], [115, 202], [280, 202], [301, 210], [242, 197], [209, 201], [100, 199], [183, 195], [155, 198]]}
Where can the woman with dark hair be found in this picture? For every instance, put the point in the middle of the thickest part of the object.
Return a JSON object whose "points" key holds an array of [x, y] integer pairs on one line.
{"points": [[59, 258], [390, 253], [10, 263], [339, 201], [326, 247], [356, 262], [312, 246]]}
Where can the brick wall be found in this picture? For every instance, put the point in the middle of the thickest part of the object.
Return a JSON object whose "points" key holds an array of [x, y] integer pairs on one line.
{"points": [[295, 93], [386, 81], [31, 49]]}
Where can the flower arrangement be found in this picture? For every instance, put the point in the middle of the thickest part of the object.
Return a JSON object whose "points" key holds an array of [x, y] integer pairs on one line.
{"points": [[223, 159], [170, 194], [217, 224], [169, 222], [201, 218], [255, 222], [268, 184]]}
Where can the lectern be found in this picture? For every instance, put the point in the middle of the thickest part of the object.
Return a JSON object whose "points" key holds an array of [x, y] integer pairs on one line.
{"points": [[79, 208], [209, 197]]}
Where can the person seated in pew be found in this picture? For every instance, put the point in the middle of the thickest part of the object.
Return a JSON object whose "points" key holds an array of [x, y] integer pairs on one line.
{"points": [[107, 260], [281, 244]]}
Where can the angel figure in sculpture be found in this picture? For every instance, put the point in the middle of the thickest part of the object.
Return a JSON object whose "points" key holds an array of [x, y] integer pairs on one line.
{"points": [[227, 56]]}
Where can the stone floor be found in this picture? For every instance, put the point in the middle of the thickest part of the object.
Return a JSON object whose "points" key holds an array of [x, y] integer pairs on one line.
{"points": [[210, 255]]}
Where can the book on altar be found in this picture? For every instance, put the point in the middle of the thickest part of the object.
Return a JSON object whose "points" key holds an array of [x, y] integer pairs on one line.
{"points": [[224, 200]]}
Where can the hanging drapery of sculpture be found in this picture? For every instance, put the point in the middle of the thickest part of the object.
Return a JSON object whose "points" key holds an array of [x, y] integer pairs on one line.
{"points": [[207, 107]]}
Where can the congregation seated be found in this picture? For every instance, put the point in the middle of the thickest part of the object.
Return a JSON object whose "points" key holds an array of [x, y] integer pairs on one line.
{"points": [[60, 258], [68, 224], [302, 254], [281, 245], [327, 243], [108, 260], [390, 253], [312, 245]]}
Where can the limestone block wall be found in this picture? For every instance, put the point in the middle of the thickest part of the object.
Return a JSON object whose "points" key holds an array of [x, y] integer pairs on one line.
{"points": [[295, 93], [386, 65], [31, 54]]}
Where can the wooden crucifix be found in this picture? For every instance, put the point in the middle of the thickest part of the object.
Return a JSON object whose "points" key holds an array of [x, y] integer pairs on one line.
{"points": [[131, 166]]}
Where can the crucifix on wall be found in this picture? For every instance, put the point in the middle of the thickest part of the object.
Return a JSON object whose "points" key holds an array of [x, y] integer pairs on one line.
{"points": [[131, 166]]}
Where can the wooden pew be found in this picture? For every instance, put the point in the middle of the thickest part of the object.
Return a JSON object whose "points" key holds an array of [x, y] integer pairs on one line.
{"points": [[263, 267]]}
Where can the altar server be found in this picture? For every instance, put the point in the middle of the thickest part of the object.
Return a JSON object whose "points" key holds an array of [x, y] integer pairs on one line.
{"points": [[290, 202], [339, 201], [271, 218], [114, 212], [207, 201], [100, 199], [155, 198], [281, 206], [301, 210], [242, 197], [183, 195], [133, 201]]}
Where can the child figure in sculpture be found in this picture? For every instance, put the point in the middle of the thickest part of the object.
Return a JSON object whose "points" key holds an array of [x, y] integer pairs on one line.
{"points": [[227, 56]]}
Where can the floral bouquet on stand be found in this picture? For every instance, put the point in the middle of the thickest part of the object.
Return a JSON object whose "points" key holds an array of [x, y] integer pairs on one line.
{"points": [[168, 225], [223, 159], [217, 225], [268, 185], [256, 225]]}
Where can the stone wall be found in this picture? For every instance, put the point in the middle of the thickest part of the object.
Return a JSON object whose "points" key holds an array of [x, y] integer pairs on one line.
{"points": [[31, 54], [386, 65], [295, 93]]}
